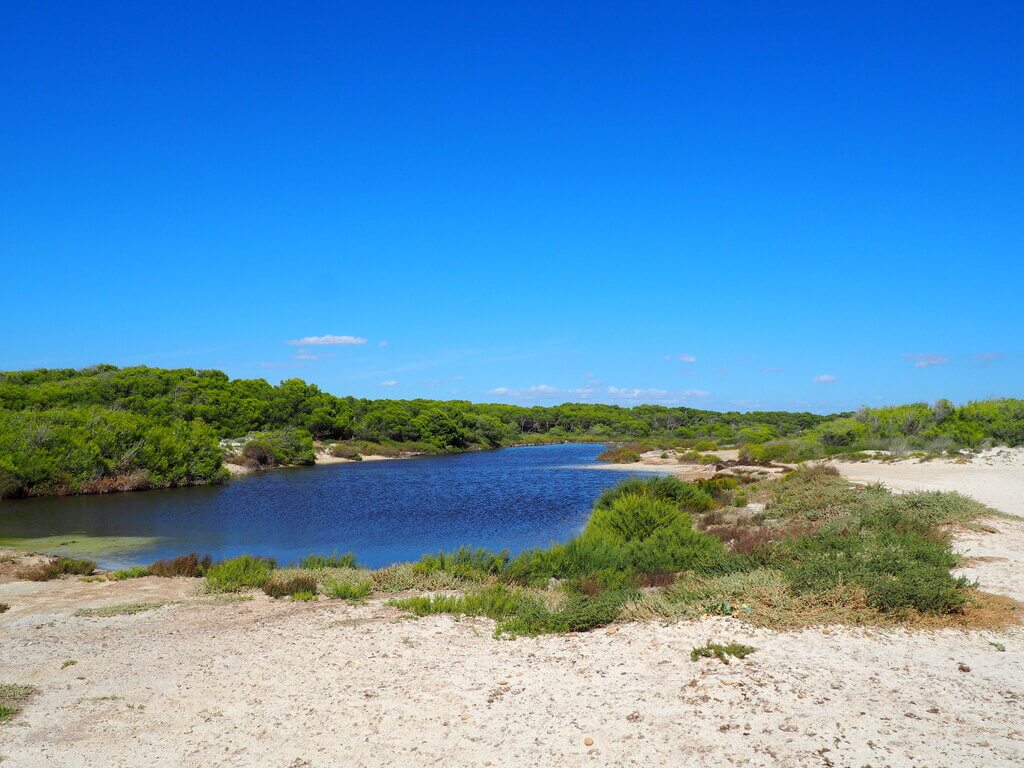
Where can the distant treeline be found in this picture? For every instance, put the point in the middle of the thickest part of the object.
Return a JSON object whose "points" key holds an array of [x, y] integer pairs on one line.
{"points": [[104, 428]]}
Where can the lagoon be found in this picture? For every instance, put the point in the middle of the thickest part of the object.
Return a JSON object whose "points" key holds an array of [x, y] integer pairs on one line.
{"points": [[383, 511]]}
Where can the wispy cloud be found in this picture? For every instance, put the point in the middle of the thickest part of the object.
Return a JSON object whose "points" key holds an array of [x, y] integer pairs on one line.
{"points": [[389, 383], [987, 358], [826, 378], [591, 391], [383, 343], [313, 341], [925, 361], [771, 370], [304, 354], [684, 358]]}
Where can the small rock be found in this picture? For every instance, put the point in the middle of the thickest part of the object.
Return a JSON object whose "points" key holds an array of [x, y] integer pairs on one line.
{"points": [[465, 717], [962, 667], [588, 742], [633, 717], [503, 682]]}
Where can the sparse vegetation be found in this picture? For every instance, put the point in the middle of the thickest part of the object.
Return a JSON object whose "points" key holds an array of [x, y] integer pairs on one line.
{"points": [[68, 663], [721, 652], [285, 584], [124, 609], [57, 567], [10, 694]]}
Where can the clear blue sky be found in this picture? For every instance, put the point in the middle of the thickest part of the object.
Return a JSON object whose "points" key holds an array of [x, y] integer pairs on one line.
{"points": [[732, 206]]}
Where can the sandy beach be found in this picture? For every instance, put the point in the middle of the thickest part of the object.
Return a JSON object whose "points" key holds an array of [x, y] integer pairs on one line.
{"points": [[206, 682]]}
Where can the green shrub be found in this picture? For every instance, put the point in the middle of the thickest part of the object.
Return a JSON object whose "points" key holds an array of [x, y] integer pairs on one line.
{"points": [[334, 560], [190, 565], [464, 562], [56, 568], [620, 455], [342, 451], [667, 488], [280, 585], [244, 572], [349, 585]]}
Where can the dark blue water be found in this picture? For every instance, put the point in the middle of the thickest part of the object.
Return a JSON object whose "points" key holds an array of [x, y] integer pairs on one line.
{"points": [[385, 511]]}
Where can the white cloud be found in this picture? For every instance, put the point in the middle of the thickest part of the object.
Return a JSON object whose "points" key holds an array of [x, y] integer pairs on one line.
{"points": [[687, 358], [500, 391], [303, 354], [310, 341], [389, 383], [383, 343], [926, 361], [826, 378]]}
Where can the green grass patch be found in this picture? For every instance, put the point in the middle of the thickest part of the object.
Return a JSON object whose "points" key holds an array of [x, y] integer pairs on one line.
{"points": [[10, 694], [353, 585], [520, 613], [135, 572], [244, 572], [334, 560], [721, 652], [123, 609]]}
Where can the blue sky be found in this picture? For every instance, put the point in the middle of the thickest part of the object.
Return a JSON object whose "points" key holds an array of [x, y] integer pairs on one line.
{"points": [[743, 205]]}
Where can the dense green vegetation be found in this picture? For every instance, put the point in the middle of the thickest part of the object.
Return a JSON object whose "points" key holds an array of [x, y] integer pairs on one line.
{"points": [[901, 430], [103, 429]]}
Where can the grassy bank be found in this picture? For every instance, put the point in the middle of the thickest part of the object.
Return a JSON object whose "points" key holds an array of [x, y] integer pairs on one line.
{"points": [[820, 551]]}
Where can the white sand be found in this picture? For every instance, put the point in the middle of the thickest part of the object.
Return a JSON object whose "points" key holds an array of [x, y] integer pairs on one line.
{"points": [[266, 683], [995, 477]]}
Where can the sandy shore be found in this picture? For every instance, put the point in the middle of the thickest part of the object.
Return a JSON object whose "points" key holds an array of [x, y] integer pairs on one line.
{"points": [[202, 682], [994, 477], [321, 458]]}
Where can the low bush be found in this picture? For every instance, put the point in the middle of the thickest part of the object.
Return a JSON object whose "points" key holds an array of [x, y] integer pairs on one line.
{"points": [[56, 568], [619, 455], [465, 562], [350, 589], [343, 451], [191, 565], [281, 585], [518, 613], [687, 496], [244, 572]]}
